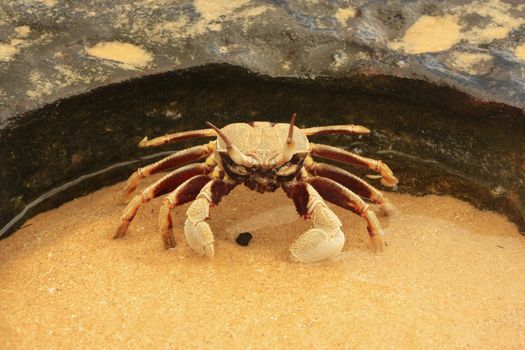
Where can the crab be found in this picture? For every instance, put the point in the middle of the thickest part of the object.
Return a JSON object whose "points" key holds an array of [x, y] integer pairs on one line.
{"points": [[263, 156]]}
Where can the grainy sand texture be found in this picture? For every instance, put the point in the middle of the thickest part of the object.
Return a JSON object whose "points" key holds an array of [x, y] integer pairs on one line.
{"points": [[451, 277]]}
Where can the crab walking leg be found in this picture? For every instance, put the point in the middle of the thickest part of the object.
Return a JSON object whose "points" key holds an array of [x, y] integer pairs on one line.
{"points": [[343, 197], [325, 239], [174, 160], [340, 155], [165, 184], [351, 182], [179, 136], [349, 129], [196, 230], [186, 192]]}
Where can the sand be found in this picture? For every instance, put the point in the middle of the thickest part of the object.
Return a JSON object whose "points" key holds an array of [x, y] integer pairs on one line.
{"points": [[342, 15], [451, 277], [519, 51], [430, 34], [127, 55], [471, 63], [441, 33]]}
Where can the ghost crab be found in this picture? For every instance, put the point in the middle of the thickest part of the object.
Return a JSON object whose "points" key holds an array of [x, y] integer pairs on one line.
{"points": [[263, 156]]}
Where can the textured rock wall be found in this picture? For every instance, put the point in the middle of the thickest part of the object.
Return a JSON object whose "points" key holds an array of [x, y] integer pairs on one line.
{"points": [[437, 140], [51, 49]]}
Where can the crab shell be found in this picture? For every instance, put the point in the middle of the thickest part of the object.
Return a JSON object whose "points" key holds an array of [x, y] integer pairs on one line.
{"points": [[263, 143]]}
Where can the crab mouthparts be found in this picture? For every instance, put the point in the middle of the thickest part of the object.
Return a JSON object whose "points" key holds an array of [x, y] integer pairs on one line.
{"points": [[261, 188]]}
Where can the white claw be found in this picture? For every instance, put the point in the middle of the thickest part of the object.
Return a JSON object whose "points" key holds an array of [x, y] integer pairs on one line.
{"points": [[196, 230], [325, 240], [209, 250], [199, 237], [316, 245]]}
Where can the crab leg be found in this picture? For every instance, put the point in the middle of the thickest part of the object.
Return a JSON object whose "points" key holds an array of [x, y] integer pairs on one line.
{"points": [[351, 182], [165, 184], [325, 239], [179, 136], [340, 155], [174, 160], [186, 192], [196, 230], [343, 197], [349, 129]]}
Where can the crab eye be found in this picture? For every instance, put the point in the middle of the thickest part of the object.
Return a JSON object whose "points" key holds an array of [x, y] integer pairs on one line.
{"points": [[235, 168], [291, 167], [286, 169], [238, 169]]}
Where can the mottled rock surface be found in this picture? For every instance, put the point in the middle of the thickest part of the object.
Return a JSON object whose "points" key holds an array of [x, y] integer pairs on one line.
{"points": [[51, 49]]}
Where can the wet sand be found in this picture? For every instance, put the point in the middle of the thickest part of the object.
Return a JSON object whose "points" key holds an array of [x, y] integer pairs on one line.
{"points": [[452, 276]]}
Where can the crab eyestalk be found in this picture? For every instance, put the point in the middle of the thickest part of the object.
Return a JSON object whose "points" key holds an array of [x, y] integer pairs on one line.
{"points": [[289, 140], [233, 152], [289, 146]]}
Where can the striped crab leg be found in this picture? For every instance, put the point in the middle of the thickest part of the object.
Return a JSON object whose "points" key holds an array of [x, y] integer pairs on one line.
{"points": [[340, 155], [349, 129], [176, 137], [351, 182], [165, 184], [185, 193], [174, 160]]}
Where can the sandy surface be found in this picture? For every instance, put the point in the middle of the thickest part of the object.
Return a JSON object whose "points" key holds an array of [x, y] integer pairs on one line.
{"points": [[441, 33], [128, 56], [451, 277], [520, 52], [445, 31]]}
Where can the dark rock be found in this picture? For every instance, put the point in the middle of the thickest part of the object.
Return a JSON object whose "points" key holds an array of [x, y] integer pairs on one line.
{"points": [[244, 239], [52, 49]]}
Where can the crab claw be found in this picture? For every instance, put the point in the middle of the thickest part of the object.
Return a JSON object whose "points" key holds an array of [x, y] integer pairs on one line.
{"points": [[199, 237], [325, 240], [316, 245], [196, 230]]}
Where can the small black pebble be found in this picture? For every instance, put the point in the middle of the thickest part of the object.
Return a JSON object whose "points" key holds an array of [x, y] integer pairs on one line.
{"points": [[243, 238]]}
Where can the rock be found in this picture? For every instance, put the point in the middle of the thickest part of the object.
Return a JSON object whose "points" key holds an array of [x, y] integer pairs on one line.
{"points": [[244, 239], [51, 50]]}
